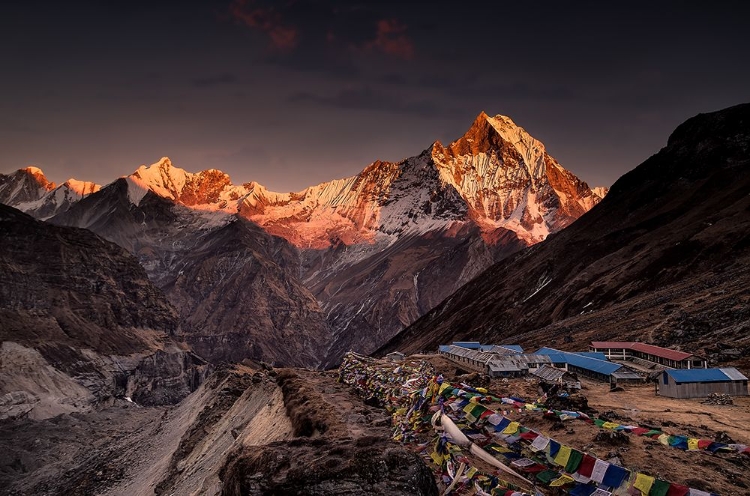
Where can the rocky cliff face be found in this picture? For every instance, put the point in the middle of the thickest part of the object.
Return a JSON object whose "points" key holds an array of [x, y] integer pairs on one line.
{"points": [[24, 185], [81, 317], [235, 287], [664, 258], [507, 179], [344, 264]]}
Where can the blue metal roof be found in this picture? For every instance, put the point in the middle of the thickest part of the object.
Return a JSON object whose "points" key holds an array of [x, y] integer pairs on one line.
{"points": [[577, 360], [472, 345], [698, 375], [592, 354], [443, 348], [504, 347]]}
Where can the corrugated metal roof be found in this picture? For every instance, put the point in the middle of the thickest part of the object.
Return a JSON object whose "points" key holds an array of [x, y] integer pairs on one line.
{"points": [[643, 348], [501, 365], [537, 359], [443, 348], [624, 373], [612, 344], [699, 375], [549, 373], [472, 345], [592, 364], [475, 355], [661, 352], [514, 347], [593, 354], [499, 349], [733, 373]]}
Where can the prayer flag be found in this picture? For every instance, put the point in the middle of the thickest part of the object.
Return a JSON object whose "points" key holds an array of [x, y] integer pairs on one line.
{"points": [[643, 483], [600, 468], [539, 443], [614, 476], [574, 461], [659, 488], [587, 465], [562, 455]]}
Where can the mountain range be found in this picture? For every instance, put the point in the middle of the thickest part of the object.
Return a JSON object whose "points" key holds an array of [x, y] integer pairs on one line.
{"points": [[664, 258], [300, 278]]}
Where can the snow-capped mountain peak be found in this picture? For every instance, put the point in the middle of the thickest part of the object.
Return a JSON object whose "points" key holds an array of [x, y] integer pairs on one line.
{"points": [[34, 170], [210, 189], [162, 178], [29, 190], [600, 191], [81, 188], [494, 176], [24, 185], [508, 180]]}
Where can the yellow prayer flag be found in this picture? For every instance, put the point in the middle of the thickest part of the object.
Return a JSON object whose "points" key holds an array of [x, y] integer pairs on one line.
{"points": [[643, 483], [692, 443], [609, 425], [512, 428], [564, 479], [563, 455], [502, 449]]}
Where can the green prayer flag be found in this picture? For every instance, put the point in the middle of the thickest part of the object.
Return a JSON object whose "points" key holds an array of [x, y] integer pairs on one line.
{"points": [[547, 476], [574, 461], [659, 488]]}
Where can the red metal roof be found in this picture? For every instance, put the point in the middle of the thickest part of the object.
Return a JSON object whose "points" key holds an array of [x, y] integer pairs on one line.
{"points": [[644, 348]]}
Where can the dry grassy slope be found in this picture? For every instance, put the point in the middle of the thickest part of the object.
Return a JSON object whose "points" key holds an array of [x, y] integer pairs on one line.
{"points": [[665, 258]]}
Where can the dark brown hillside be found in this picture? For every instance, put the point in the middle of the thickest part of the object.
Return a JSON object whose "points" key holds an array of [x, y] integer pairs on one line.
{"points": [[68, 285], [81, 325], [665, 257]]}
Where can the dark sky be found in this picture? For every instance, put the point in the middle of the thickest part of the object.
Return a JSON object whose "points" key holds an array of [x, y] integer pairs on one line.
{"points": [[292, 93]]}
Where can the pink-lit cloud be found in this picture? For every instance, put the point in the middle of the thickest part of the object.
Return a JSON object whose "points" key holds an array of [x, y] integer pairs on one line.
{"points": [[391, 38], [282, 36]]}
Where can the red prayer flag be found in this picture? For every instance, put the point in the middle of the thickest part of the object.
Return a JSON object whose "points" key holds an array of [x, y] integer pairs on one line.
{"points": [[704, 443], [587, 465], [677, 490]]}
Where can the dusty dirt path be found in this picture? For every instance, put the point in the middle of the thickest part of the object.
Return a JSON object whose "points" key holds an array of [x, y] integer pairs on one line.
{"points": [[643, 406]]}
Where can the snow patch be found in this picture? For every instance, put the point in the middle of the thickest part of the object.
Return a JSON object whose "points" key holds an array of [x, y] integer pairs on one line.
{"points": [[136, 190]]}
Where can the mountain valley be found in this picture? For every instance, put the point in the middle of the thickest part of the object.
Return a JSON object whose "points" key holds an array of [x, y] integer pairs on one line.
{"points": [[161, 333]]}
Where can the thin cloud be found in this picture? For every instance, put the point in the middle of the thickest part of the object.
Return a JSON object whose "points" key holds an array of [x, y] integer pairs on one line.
{"points": [[391, 39], [214, 80], [369, 99], [266, 19]]}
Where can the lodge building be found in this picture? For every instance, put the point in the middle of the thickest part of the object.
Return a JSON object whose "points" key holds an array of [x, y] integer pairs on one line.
{"points": [[649, 353], [699, 383]]}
